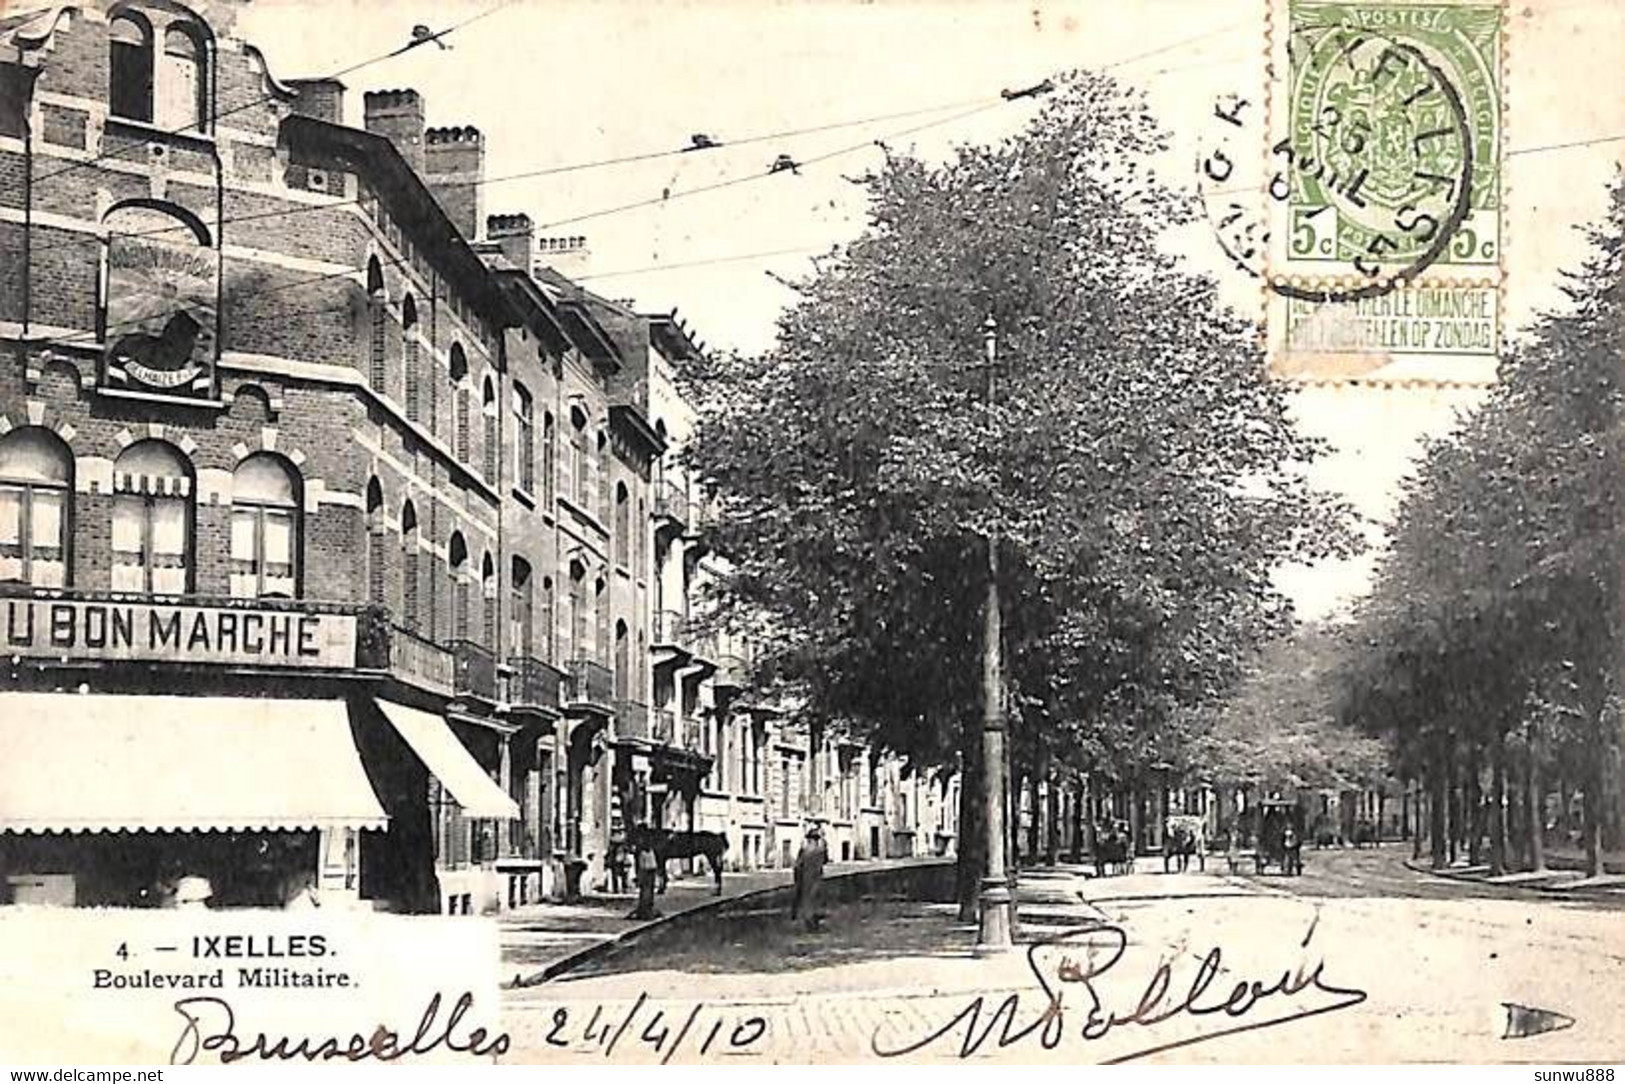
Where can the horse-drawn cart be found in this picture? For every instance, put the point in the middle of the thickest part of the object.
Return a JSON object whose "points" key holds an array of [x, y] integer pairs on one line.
{"points": [[1280, 837]]}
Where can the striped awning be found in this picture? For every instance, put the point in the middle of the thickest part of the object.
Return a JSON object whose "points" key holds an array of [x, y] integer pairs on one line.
{"points": [[159, 485], [450, 762], [104, 763]]}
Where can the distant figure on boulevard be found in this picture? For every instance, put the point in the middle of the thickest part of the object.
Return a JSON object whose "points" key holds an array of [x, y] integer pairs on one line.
{"points": [[809, 879], [641, 840]]}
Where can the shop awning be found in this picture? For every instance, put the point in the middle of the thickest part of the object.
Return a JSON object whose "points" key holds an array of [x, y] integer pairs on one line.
{"points": [[432, 740], [81, 763]]}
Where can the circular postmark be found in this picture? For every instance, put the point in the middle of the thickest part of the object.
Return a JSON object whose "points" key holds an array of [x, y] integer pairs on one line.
{"points": [[1375, 175]]}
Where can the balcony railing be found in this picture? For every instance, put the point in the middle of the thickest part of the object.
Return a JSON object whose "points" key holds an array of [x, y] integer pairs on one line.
{"points": [[631, 719], [671, 502], [421, 662], [476, 669], [591, 682], [534, 683], [664, 730], [670, 628]]}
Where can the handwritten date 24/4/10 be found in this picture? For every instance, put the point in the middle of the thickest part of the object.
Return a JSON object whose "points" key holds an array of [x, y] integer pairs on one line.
{"points": [[701, 1032]]}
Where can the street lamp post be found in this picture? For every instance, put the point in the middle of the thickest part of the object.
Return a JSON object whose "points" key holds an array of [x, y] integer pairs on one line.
{"points": [[995, 904]]}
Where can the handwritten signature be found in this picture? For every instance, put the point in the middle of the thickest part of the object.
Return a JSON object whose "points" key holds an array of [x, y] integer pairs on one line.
{"points": [[1103, 946], [211, 1026]]}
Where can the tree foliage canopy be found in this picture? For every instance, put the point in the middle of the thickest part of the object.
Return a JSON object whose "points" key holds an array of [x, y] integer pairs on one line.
{"points": [[1140, 471]]}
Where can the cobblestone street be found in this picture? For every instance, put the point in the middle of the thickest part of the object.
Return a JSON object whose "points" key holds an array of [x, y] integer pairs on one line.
{"points": [[886, 974]]}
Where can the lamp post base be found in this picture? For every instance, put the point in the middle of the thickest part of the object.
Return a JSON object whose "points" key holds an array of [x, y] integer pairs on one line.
{"points": [[995, 908]]}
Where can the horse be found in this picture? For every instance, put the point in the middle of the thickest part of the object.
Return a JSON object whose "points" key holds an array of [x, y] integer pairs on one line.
{"points": [[1183, 840], [1111, 850], [708, 845]]}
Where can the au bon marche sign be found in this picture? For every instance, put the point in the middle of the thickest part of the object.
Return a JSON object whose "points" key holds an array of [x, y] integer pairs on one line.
{"points": [[167, 632]]}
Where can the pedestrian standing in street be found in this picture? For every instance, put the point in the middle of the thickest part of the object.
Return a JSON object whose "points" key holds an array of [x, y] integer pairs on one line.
{"points": [[809, 878], [642, 841]]}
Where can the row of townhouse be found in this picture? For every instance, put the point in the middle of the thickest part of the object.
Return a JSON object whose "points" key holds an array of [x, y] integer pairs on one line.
{"points": [[342, 539]]}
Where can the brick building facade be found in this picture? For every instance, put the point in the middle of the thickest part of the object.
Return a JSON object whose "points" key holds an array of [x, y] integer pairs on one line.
{"points": [[294, 438]]}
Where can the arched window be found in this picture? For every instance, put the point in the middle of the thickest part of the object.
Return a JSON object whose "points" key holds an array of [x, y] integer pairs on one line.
{"points": [[457, 554], [410, 548], [549, 633], [130, 64], [550, 458], [152, 519], [488, 599], [576, 474], [409, 350], [623, 524], [623, 662], [488, 411], [375, 315], [36, 479], [459, 391], [524, 439], [265, 536], [181, 83], [600, 469], [377, 559], [520, 634]]}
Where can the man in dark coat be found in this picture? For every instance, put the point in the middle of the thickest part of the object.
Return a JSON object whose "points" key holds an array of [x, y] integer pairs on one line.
{"points": [[809, 878], [642, 842]]}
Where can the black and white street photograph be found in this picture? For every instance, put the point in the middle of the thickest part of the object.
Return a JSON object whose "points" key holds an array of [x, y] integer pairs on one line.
{"points": [[796, 532]]}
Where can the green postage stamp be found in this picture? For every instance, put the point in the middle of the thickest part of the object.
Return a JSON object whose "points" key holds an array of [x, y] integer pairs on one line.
{"points": [[1386, 140]]}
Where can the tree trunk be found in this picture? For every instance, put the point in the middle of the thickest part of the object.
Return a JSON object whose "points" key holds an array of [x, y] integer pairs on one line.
{"points": [[1438, 803], [972, 842], [1134, 819], [1034, 825], [1452, 799], [1474, 819], [1517, 813], [1382, 813], [1537, 808], [1498, 804], [1080, 804], [1052, 818], [1591, 812]]}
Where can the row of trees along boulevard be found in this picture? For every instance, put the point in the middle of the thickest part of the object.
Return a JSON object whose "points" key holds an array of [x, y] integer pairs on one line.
{"points": [[1489, 653]]}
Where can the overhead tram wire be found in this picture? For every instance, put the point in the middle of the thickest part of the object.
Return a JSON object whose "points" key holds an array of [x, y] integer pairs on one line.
{"points": [[1003, 99], [251, 103], [548, 171], [91, 336]]}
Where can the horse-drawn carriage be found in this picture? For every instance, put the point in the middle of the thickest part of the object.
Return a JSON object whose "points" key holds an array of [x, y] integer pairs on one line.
{"points": [[1184, 837], [1280, 837]]}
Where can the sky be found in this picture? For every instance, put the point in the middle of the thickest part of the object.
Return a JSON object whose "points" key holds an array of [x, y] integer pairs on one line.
{"points": [[560, 84]]}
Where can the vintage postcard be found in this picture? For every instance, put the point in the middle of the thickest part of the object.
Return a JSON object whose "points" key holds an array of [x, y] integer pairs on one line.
{"points": [[551, 533]]}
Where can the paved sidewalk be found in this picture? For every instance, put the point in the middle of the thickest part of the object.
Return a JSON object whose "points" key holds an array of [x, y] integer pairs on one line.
{"points": [[1559, 882]]}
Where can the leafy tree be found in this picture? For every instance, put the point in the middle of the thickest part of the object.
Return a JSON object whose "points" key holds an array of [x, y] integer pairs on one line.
{"points": [[1138, 469]]}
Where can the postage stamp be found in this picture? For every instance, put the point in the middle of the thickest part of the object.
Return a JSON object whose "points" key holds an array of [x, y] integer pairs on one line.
{"points": [[1382, 231]]}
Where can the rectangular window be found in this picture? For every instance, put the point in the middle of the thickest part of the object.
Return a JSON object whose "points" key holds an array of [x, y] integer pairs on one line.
{"points": [[32, 533], [524, 440], [150, 544], [262, 553]]}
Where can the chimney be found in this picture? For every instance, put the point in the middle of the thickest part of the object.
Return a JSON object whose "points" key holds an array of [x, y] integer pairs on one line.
{"points": [[515, 236], [454, 169], [322, 99], [397, 115], [566, 255]]}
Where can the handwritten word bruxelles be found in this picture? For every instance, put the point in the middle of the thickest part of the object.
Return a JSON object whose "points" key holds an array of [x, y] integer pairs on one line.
{"points": [[144, 631]]}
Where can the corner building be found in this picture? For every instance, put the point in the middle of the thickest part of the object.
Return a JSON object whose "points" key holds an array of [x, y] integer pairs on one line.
{"points": [[251, 486]]}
